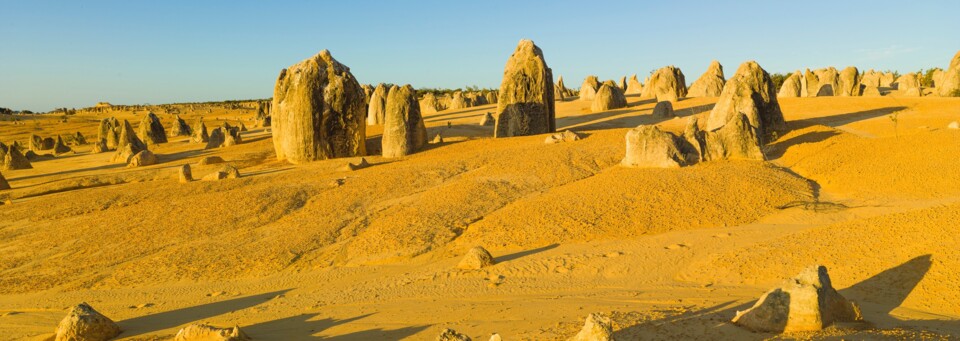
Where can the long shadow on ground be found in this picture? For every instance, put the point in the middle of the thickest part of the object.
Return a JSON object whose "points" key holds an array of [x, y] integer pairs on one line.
{"points": [[173, 318], [880, 294], [301, 327]]}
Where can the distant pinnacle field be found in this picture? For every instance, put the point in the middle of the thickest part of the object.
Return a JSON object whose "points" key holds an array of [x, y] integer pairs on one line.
{"points": [[820, 204]]}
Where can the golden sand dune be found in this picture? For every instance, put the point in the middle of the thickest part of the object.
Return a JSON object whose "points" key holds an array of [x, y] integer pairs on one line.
{"points": [[313, 250]]}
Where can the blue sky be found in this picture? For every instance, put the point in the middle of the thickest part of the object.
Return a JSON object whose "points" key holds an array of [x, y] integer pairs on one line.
{"points": [[73, 54]]}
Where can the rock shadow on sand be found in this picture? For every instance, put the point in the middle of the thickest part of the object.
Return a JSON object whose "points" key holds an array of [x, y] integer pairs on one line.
{"points": [[878, 295], [843, 119], [517, 255], [303, 327], [174, 318]]}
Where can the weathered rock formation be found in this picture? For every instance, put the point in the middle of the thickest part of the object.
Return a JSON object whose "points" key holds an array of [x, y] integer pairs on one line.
{"points": [[403, 129], [735, 140], [217, 137], [907, 82], [476, 258], [886, 80], [457, 101], [4, 185], [693, 142], [667, 84], [128, 144], [204, 332], [429, 104], [749, 92], [59, 147], [200, 134], [849, 83], [663, 110], [634, 86], [608, 98], [318, 111], [488, 120], [829, 80], [143, 158], [560, 90], [79, 139], [949, 83], [791, 86], [710, 84], [263, 111], [83, 323], [448, 334], [871, 78], [589, 88], [811, 84], [807, 302], [649, 147], [180, 127], [564, 136], [210, 160], [491, 97], [107, 131], [14, 160], [597, 327], [378, 102], [871, 91], [525, 105], [185, 173], [152, 130]]}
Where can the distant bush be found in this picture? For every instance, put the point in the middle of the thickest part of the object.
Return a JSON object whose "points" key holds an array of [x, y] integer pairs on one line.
{"points": [[778, 79], [955, 93], [926, 78], [443, 91]]}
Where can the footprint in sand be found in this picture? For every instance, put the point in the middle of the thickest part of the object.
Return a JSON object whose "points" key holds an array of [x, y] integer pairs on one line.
{"points": [[677, 247]]}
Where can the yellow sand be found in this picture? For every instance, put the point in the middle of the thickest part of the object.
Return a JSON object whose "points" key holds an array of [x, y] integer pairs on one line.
{"points": [[293, 252]]}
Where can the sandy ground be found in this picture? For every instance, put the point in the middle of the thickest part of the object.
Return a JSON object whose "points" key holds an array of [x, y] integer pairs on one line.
{"points": [[314, 252]]}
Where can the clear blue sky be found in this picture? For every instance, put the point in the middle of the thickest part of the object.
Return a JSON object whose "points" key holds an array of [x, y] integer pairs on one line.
{"points": [[73, 54]]}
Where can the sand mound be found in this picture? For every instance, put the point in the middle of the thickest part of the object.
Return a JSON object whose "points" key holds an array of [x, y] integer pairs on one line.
{"points": [[901, 169]]}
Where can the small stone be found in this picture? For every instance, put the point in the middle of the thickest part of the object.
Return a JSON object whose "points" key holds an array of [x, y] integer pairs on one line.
{"points": [[451, 335], [218, 175], [204, 332], [352, 166], [565, 136]]}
